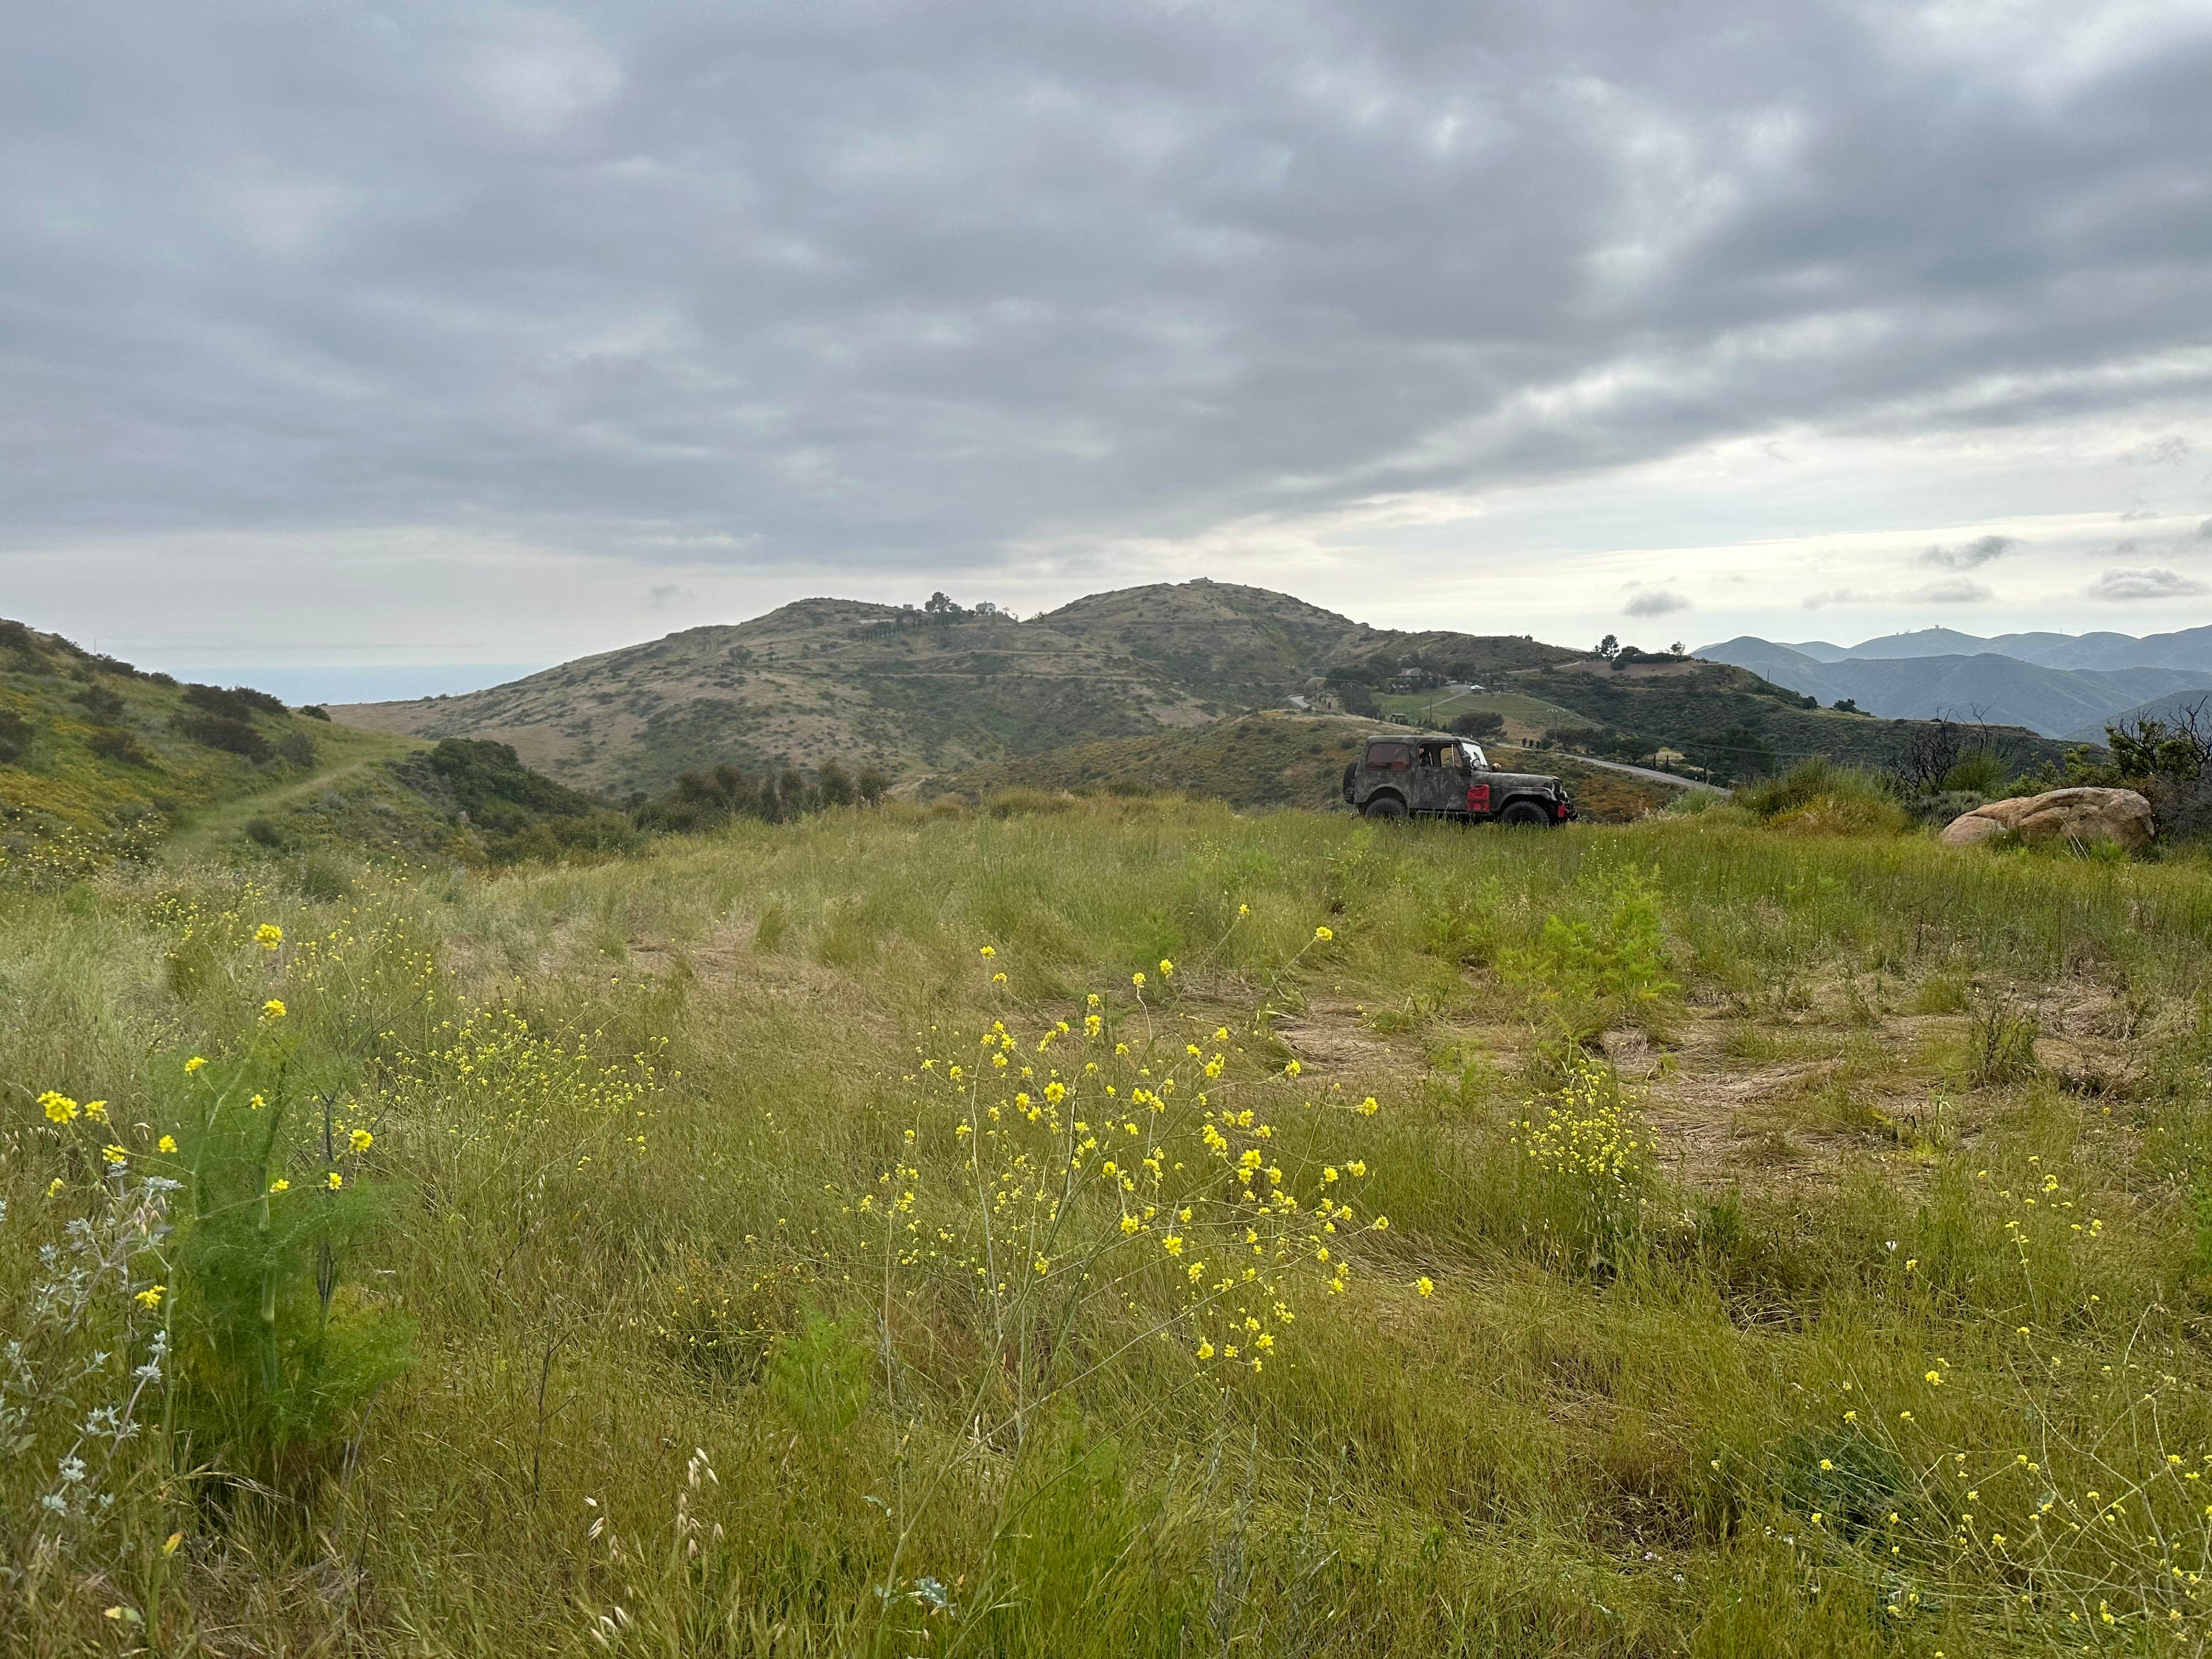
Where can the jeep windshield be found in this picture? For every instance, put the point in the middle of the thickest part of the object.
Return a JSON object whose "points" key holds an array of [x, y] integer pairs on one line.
{"points": [[1472, 758]]}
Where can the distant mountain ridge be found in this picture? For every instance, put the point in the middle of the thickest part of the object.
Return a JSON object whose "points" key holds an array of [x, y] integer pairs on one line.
{"points": [[2056, 685], [2189, 648], [2172, 706]]}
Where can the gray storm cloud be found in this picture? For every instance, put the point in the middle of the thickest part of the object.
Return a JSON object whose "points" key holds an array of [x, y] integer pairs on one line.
{"points": [[827, 286]]}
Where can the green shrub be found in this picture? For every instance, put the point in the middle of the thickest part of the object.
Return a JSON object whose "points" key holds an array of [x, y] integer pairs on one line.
{"points": [[1595, 971], [16, 734], [112, 743], [1817, 779], [1980, 772], [234, 737], [273, 1362]]}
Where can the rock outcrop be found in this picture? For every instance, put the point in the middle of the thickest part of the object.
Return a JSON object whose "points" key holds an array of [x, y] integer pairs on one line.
{"points": [[2074, 815]]}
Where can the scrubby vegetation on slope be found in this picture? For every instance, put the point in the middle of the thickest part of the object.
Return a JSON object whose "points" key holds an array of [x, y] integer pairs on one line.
{"points": [[1792, 1245], [1735, 726], [100, 753], [99, 758]]}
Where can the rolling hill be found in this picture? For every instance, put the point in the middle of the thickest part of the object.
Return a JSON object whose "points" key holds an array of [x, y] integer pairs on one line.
{"points": [[913, 691], [98, 758], [945, 691], [1957, 685], [2173, 706]]}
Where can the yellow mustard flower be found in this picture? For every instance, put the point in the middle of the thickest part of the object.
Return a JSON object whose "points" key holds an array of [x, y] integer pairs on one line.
{"points": [[167, 1144], [269, 936], [1425, 1285], [194, 1064], [96, 1110], [280, 1185], [272, 1009], [1323, 934], [59, 1107], [361, 1140], [113, 1154], [334, 1180]]}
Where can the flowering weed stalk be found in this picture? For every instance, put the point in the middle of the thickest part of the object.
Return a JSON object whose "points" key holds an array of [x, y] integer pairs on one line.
{"points": [[1589, 1152]]}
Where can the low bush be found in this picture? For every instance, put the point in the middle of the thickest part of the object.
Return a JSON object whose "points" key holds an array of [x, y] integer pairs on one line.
{"points": [[16, 734], [113, 744], [1817, 797], [233, 737]]}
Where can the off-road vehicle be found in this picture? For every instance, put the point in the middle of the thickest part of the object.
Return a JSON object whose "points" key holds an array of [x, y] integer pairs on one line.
{"points": [[1405, 774]]}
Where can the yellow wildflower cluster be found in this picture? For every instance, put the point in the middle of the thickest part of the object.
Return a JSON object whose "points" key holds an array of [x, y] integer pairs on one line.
{"points": [[1588, 1130], [492, 1079], [1140, 1173]]}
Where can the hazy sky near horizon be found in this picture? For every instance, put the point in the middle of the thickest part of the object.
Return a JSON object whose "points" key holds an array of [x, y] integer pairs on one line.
{"points": [[410, 333]]}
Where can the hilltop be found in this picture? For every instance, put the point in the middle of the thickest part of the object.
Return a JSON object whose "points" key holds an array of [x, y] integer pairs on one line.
{"points": [[912, 691], [944, 691]]}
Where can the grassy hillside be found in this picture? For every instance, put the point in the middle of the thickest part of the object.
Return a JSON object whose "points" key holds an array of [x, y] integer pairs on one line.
{"points": [[94, 752], [909, 692], [1792, 1246], [98, 758], [1261, 760]]}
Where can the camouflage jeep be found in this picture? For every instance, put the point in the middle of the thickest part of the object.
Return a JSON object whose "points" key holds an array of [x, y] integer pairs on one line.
{"points": [[1406, 775]]}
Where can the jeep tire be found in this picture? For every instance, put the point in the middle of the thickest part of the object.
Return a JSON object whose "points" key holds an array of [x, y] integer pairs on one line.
{"points": [[1389, 808], [1525, 815]]}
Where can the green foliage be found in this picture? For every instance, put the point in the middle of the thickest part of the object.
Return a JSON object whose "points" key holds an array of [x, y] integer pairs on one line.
{"points": [[273, 1363], [705, 800], [819, 1374], [233, 737], [1819, 797], [15, 736], [518, 813], [1702, 1420], [1983, 772], [1604, 967]]}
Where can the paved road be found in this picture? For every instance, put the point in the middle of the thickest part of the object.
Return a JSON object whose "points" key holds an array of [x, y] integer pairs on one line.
{"points": [[1633, 771]]}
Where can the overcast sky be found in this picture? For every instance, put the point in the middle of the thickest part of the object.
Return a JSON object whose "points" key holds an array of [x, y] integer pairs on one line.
{"points": [[383, 333]]}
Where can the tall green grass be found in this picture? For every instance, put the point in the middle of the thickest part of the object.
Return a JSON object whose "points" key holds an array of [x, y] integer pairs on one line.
{"points": [[644, 1383]]}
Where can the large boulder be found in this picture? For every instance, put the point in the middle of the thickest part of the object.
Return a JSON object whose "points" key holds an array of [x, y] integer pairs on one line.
{"points": [[2074, 815]]}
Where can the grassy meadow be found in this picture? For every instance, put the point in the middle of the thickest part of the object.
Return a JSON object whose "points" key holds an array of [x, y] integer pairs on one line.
{"points": [[1674, 1237]]}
